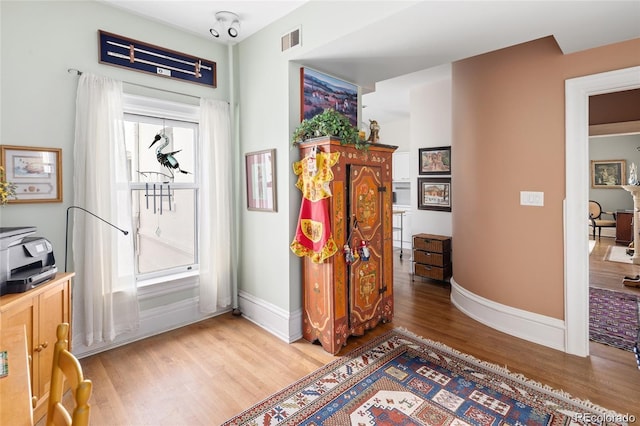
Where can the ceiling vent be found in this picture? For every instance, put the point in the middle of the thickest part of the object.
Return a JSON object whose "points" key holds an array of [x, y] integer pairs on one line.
{"points": [[290, 40]]}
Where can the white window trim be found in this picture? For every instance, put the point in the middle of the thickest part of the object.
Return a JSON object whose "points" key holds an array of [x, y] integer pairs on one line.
{"points": [[142, 105], [145, 106]]}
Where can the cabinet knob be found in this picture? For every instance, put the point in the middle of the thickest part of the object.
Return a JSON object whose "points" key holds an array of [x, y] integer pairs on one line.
{"points": [[34, 401], [41, 346]]}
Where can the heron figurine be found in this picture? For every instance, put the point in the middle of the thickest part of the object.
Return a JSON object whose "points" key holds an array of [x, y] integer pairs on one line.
{"points": [[167, 159]]}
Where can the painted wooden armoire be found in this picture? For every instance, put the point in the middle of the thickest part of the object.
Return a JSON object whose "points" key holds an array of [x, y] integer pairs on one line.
{"points": [[342, 299]]}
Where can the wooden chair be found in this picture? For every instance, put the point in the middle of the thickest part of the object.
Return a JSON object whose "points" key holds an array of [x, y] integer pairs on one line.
{"points": [[66, 366], [596, 220]]}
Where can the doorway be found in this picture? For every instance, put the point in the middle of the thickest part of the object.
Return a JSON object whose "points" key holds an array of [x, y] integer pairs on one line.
{"points": [[576, 259]]}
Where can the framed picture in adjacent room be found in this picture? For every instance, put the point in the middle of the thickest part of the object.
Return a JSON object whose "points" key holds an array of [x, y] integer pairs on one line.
{"points": [[261, 180], [435, 161], [35, 172], [607, 174], [434, 194]]}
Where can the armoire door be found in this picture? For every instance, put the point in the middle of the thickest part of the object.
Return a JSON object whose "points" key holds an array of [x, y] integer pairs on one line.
{"points": [[365, 278]]}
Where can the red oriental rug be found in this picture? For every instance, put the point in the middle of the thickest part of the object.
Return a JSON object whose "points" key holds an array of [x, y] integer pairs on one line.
{"points": [[403, 379]]}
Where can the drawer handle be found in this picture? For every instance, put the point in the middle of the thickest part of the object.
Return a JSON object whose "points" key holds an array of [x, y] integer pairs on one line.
{"points": [[41, 346]]}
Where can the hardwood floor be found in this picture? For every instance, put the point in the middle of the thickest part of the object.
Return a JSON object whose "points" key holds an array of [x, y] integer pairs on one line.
{"points": [[207, 372], [605, 274]]}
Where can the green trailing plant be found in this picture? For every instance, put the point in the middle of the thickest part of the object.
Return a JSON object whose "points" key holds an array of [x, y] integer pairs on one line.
{"points": [[329, 123]]}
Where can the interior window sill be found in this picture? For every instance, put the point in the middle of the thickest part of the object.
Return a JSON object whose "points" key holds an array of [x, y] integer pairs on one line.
{"points": [[167, 284]]}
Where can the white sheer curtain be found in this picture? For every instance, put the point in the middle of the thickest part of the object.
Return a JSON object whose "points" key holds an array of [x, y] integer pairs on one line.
{"points": [[216, 206], [104, 293]]}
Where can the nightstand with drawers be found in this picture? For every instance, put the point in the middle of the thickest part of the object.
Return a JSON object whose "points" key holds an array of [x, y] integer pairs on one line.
{"points": [[432, 257]]}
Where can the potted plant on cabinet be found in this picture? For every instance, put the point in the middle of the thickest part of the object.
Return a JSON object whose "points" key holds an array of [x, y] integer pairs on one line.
{"points": [[329, 123]]}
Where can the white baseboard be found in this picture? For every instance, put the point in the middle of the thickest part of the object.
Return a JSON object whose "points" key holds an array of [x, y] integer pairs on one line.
{"points": [[152, 322], [526, 325], [606, 232], [282, 324]]}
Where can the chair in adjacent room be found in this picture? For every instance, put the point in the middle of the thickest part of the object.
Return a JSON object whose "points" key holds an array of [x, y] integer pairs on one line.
{"points": [[597, 221], [66, 366]]}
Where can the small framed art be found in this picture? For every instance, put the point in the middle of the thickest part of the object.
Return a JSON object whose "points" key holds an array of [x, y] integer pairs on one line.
{"points": [[435, 161], [261, 180], [434, 194], [36, 173], [607, 174]]}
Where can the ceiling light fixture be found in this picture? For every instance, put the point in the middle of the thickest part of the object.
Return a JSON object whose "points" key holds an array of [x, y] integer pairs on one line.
{"points": [[226, 22]]}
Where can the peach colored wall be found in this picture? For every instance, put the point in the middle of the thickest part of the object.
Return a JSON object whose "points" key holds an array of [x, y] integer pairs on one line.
{"points": [[509, 136]]}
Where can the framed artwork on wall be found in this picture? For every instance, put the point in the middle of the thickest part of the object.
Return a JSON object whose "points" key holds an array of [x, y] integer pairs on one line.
{"points": [[435, 161], [36, 173], [134, 55], [607, 174], [319, 91], [434, 194], [261, 180]]}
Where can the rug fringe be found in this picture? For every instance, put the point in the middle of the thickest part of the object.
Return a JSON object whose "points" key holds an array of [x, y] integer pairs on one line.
{"points": [[587, 404]]}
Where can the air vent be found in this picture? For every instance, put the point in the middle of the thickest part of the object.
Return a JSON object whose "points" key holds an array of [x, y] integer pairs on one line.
{"points": [[290, 40]]}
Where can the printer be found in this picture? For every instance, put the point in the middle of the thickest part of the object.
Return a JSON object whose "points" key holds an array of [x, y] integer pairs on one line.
{"points": [[25, 261]]}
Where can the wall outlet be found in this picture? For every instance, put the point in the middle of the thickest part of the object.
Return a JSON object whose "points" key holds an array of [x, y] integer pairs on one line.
{"points": [[531, 198]]}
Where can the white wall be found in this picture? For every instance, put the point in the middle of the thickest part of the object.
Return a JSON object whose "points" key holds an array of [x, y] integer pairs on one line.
{"points": [[396, 133], [430, 107]]}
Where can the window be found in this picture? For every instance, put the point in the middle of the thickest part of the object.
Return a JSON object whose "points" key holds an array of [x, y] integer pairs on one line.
{"points": [[164, 199]]}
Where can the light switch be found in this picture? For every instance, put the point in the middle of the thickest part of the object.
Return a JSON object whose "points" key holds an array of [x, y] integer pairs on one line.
{"points": [[531, 198]]}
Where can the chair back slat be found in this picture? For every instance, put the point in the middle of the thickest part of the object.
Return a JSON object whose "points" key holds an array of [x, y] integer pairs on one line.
{"points": [[67, 367]]}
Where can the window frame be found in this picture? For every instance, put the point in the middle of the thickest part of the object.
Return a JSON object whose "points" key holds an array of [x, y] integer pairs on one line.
{"points": [[153, 108]]}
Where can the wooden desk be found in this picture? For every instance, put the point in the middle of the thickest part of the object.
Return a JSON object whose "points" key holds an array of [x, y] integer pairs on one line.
{"points": [[15, 388]]}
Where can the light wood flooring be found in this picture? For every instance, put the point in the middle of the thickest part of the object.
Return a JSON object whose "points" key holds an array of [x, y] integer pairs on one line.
{"points": [[207, 372]]}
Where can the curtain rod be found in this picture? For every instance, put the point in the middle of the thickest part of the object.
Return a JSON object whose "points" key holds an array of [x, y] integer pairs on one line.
{"points": [[78, 72]]}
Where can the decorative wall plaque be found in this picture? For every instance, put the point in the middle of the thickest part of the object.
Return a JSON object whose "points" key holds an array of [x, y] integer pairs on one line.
{"points": [[138, 56]]}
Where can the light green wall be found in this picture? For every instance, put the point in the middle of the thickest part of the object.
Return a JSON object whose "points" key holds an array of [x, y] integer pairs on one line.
{"points": [[39, 42], [619, 147], [269, 111]]}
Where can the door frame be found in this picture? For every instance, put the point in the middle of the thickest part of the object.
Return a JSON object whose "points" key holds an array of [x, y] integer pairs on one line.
{"points": [[576, 251]]}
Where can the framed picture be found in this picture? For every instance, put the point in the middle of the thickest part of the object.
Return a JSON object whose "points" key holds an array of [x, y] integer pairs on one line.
{"points": [[36, 172], [261, 180], [607, 173], [434, 194], [435, 161], [319, 92]]}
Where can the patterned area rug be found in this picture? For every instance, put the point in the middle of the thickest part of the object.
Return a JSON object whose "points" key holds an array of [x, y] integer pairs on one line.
{"points": [[403, 379], [613, 318]]}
